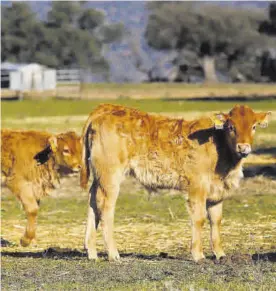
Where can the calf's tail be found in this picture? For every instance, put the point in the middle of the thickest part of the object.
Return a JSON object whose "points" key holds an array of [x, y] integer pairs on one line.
{"points": [[86, 153]]}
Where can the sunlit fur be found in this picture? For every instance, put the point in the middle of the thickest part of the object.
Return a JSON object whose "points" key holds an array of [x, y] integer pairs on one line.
{"points": [[28, 181], [167, 153]]}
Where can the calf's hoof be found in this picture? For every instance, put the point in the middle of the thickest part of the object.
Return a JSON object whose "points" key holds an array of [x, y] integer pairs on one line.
{"points": [[198, 257], [24, 241], [92, 256], [220, 255], [223, 260], [114, 257]]}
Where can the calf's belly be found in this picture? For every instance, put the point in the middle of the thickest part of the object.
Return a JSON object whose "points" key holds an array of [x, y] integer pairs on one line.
{"points": [[157, 175]]}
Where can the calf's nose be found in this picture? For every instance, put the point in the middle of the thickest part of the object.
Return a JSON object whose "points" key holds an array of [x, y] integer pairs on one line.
{"points": [[243, 148]]}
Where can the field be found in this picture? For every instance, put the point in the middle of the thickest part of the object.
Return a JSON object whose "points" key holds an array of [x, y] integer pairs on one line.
{"points": [[152, 91], [152, 233]]}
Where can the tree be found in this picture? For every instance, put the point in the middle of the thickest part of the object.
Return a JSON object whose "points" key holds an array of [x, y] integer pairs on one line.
{"points": [[210, 31], [110, 33], [269, 26], [63, 13], [77, 35], [90, 19], [71, 35], [20, 32], [152, 70], [268, 57]]}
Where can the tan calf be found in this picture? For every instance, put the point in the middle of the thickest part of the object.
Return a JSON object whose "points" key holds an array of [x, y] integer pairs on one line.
{"points": [[29, 164], [162, 152]]}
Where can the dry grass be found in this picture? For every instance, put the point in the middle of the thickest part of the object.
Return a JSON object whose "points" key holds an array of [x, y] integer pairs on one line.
{"points": [[160, 225], [165, 90], [153, 91], [153, 237], [12, 94]]}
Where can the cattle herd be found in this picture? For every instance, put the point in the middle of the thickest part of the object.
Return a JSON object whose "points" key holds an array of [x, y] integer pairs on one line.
{"points": [[203, 157]]}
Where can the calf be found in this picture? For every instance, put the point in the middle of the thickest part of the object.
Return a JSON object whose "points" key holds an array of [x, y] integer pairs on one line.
{"points": [[29, 164], [203, 157]]}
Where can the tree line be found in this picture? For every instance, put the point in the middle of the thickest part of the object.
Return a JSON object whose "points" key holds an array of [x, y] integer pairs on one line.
{"points": [[70, 36], [207, 40], [210, 38]]}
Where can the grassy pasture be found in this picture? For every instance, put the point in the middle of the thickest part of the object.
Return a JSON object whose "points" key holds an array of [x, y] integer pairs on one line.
{"points": [[152, 234], [152, 91], [153, 238], [168, 91], [53, 107], [59, 115]]}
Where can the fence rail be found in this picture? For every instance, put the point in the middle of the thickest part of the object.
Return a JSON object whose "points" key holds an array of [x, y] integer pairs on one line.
{"points": [[68, 76], [70, 81]]}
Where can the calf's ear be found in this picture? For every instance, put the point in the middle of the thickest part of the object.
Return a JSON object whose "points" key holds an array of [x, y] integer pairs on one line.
{"points": [[262, 118], [53, 143], [43, 156]]}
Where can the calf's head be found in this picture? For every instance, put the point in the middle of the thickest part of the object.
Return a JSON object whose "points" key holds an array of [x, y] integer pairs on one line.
{"points": [[240, 125], [65, 148]]}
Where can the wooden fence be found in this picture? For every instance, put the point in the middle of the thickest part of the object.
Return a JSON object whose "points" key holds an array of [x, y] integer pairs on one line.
{"points": [[69, 83]]}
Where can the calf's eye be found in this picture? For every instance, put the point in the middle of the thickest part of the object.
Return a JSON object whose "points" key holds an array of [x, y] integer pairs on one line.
{"points": [[254, 127], [66, 151]]}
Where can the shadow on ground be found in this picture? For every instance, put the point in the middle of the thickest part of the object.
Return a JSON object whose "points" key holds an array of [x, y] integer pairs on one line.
{"points": [[5, 243], [230, 98], [65, 253], [266, 151], [262, 170], [268, 171]]}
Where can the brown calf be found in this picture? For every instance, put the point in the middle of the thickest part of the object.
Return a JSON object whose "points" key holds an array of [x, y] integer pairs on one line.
{"points": [[162, 152], [29, 164]]}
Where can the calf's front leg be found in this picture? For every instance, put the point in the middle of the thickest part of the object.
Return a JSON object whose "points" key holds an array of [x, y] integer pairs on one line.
{"points": [[215, 216], [31, 207], [197, 211]]}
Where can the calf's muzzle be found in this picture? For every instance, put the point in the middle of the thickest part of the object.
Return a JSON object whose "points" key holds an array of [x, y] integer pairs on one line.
{"points": [[243, 149]]}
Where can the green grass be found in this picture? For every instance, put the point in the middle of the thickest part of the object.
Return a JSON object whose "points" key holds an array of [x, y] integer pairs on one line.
{"points": [[183, 86], [51, 107], [136, 274], [135, 206]]}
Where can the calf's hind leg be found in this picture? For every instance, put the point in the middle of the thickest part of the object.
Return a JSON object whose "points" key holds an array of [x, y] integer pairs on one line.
{"points": [[93, 218], [110, 185], [31, 207]]}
